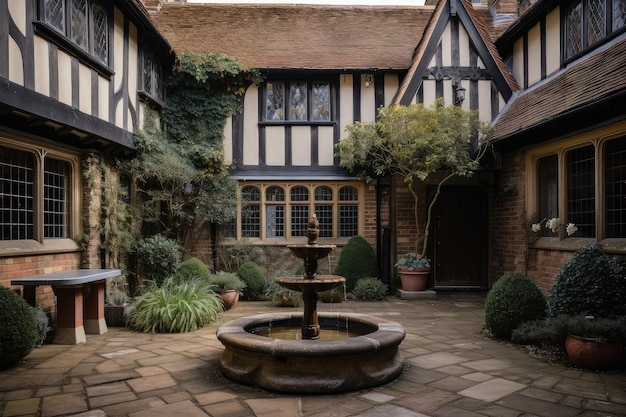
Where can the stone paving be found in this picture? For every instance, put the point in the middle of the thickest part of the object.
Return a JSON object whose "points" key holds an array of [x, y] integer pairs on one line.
{"points": [[450, 371]]}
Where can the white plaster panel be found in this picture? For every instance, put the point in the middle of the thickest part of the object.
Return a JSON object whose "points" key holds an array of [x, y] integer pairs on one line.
{"points": [[84, 89], [518, 61], [118, 48], [446, 53], [464, 47], [119, 114], [484, 100], [228, 141], [65, 78], [448, 92], [301, 146], [17, 10], [553, 42], [368, 101], [346, 105], [103, 98], [16, 63], [250, 127], [534, 55], [480, 63], [325, 142], [429, 91], [133, 68], [275, 146], [42, 63], [391, 86]]}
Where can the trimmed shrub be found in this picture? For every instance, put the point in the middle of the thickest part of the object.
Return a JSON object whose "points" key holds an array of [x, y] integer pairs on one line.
{"points": [[357, 261], [546, 333], [19, 331], [513, 300], [159, 257], [43, 324], [591, 282], [370, 289], [254, 278], [175, 308], [190, 269]]}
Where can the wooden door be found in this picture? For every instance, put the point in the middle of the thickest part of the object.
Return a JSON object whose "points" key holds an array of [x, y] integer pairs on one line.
{"points": [[460, 238]]}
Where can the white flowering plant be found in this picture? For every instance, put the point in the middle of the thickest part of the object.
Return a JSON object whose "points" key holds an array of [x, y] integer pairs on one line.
{"points": [[554, 225]]}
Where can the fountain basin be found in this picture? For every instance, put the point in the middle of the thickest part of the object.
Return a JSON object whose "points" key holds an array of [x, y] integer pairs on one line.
{"points": [[312, 366], [313, 251]]}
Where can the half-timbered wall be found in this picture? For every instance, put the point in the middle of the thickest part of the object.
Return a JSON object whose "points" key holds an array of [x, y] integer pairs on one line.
{"points": [[457, 62]]}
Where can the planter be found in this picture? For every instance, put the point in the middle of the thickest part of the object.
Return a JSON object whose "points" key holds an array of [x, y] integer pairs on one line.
{"points": [[414, 279], [591, 354], [115, 315], [229, 298]]}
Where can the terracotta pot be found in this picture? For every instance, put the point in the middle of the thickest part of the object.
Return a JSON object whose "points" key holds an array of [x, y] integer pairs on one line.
{"points": [[415, 279], [229, 298], [590, 354]]}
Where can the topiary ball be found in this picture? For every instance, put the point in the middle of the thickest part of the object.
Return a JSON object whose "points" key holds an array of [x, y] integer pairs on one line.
{"points": [[513, 300], [254, 278], [19, 331], [190, 269], [357, 261], [591, 282]]}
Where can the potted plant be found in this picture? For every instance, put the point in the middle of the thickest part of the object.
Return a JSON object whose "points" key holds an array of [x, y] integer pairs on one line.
{"points": [[229, 286], [413, 271], [117, 302], [595, 343], [415, 142]]}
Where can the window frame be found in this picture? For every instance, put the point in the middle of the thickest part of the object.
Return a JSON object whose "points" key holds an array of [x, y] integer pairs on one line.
{"points": [[609, 31], [39, 243], [64, 41], [288, 203], [596, 138], [287, 81]]}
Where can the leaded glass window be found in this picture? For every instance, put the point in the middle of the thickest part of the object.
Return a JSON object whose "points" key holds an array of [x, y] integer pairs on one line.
{"points": [[299, 211], [100, 32], [55, 198], [17, 170], [251, 212], [348, 211], [298, 101], [596, 26], [548, 186], [581, 200], [54, 14], [324, 211], [275, 212], [275, 101], [619, 14], [615, 188], [321, 101], [574, 25], [78, 23]]}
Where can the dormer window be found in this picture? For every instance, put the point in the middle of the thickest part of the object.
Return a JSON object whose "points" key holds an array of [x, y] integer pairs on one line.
{"points": [[297, 101]]}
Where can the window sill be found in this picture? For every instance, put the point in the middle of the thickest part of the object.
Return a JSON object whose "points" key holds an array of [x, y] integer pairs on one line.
{"points": [[617, 246], [33, 247], [283, 242], [296, 123]]}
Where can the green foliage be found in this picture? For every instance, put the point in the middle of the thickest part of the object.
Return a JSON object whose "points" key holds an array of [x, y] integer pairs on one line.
{"points": [[175, 308], [513, 300], [370, 289], [357, 261], [548, 332], [412, 261], [254, 278], [592, 282], [223, 281], [43, 324], [159, 257], [600, 329], [413, 142], [190, 269], [334, 295], [19, 331]]}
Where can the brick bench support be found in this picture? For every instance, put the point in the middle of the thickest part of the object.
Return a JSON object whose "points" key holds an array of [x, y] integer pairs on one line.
{"points": [[80, 301]]}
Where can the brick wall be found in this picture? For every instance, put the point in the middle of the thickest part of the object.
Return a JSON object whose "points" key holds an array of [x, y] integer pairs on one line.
{"points": [[404, 215]]}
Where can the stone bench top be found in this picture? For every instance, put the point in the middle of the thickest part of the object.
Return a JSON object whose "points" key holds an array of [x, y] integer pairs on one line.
{"points": [[74, 277]]}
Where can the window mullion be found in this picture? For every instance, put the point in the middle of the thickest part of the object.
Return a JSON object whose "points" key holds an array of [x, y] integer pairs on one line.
{"points": [[600, 191], [38, 222]]}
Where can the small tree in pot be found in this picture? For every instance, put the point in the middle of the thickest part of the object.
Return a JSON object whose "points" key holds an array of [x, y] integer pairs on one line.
{"points": [[414, 142]]}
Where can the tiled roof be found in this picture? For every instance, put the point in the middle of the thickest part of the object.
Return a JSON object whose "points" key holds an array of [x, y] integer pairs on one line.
{"points": [[297, 36], [587, 81]]}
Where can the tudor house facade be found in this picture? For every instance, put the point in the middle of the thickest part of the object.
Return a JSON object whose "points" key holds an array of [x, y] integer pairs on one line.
{"points": [[75, 79], [562, 138]]}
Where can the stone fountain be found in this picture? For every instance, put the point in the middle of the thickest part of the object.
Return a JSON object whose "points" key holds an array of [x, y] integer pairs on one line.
{"points": [[368, 355]]}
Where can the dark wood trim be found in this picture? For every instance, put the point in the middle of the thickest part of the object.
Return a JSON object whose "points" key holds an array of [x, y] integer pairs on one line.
{"points": [[525, 70], [53, 68], [543, 40], [237, 141], [74, 79], [28, 101], [454, 41], [288, 171], [126, 62], [288, 147], [495, 102], [95, 93], [315, 146], [379, 91], [356, 97]]}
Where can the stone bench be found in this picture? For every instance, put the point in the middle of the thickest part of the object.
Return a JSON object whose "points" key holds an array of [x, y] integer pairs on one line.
{"points": [[80, 301]]}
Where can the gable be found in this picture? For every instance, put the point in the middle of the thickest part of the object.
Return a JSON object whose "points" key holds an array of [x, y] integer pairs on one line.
{"points": [[456, 47]]}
